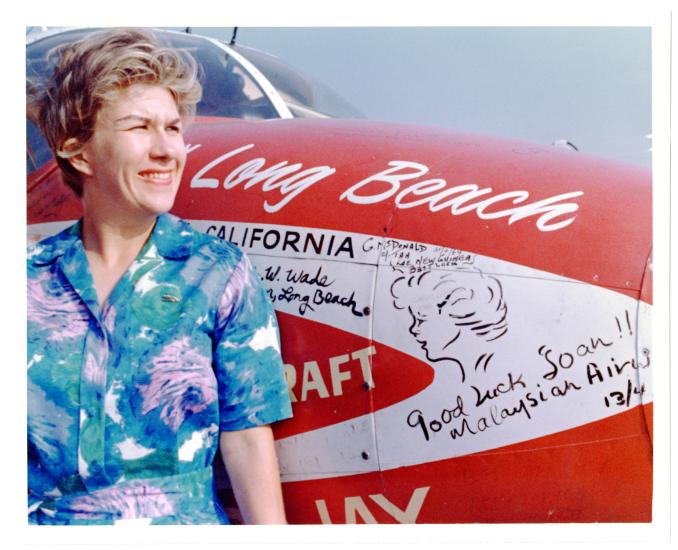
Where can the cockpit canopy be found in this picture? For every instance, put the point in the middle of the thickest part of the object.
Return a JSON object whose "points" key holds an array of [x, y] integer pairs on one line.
{"points": [[238, 82]]}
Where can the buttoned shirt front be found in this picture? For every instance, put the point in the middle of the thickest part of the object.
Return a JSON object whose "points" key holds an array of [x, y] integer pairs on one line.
{"points": [[125, 402]]}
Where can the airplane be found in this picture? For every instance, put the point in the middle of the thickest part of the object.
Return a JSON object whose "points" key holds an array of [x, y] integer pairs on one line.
{"points": [[465, 319]]}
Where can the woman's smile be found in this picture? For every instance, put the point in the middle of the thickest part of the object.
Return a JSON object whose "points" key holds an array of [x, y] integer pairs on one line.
{"points": [[157, 177]]}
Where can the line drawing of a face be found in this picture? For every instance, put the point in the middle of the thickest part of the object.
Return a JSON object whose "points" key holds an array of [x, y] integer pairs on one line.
{"points": [[445, 306]]}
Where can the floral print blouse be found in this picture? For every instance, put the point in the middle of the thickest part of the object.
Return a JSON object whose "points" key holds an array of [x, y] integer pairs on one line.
{"points": [[126, 402]]}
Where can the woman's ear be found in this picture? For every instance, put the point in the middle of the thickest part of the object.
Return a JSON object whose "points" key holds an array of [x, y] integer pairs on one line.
{"points": [[79, 159]]}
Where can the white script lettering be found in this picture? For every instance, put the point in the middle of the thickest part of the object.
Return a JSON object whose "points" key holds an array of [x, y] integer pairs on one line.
{"points": [[286, 179], [291, 180], [437, 195]]}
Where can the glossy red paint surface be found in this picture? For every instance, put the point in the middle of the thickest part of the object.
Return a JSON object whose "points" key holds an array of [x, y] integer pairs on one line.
{"points": [[598, 471], [607, 244]]}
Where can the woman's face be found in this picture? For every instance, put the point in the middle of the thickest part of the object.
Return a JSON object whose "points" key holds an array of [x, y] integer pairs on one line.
{"points": [[434, 332], [136, 155]]}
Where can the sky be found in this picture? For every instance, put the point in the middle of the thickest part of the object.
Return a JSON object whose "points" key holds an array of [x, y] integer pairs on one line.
{"points": [[588, 85]]}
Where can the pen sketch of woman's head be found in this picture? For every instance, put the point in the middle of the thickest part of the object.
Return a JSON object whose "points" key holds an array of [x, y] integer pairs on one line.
{"points": [[445, 305]]}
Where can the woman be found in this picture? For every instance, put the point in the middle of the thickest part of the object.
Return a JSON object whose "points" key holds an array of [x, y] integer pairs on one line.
{"points": [[150, 345]]}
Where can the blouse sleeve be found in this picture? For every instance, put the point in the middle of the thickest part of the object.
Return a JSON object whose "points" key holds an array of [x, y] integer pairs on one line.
{"points": [[251, 381]]}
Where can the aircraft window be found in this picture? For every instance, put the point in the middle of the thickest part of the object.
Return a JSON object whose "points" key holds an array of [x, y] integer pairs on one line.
{"points": [[305, 96], [37, 150], [228, 89]]}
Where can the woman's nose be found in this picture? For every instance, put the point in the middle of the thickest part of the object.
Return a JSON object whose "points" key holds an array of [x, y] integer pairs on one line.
{"points": [[163, 145]]}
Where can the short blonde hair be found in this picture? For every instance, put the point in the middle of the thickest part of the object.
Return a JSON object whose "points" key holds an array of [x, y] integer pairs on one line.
{"points": [[94, 70]]}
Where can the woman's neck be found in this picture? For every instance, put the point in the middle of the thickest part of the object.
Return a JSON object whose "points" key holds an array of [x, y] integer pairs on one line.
{"points": [[111, 248], [113, 243]]}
